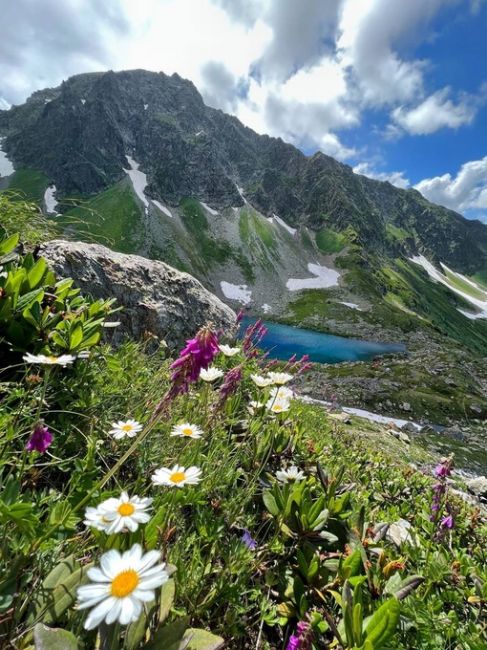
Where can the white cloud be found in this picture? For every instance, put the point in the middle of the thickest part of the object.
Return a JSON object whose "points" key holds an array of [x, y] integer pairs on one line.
{"points": [[395, 178], [465, 191], [436, 112], [370, 33]]}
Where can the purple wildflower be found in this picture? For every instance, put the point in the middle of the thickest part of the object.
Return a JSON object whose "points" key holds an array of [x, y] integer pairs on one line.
{"points": [[252, 337], [302, 639], [443, 470], [447, 522], [230, 384], [40, 439], [248, 540], [198, 353], [240, 316]]}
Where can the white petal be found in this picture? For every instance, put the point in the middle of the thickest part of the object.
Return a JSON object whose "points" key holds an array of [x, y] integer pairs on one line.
{"points": [[96, 615], [149, 559], [145, 596], [110, 563], [154, 582], [127, 611], [97, 575], [133, 555], [114, 612]]}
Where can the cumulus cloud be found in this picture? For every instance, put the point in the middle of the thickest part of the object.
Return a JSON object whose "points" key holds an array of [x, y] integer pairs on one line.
{"points": [[436, 112], [43, 42], [463, 192], [370, 33], [395, 178], [220, 88]]}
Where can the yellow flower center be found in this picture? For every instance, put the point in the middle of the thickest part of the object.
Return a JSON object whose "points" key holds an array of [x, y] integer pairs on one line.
{"points": [[187, 431], [124, 584], [127, 427], [52, 359], [177, 477], [277, 408], [126, 509]]}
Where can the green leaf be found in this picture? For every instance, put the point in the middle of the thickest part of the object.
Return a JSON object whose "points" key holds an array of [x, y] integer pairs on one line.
{"points": [[8, 245], [35, 275], [203, 640], [168, 591], [61, 597], [382, 625], [47, 638], [75, 336], [136, 631], [169, 637], [270, 503]]}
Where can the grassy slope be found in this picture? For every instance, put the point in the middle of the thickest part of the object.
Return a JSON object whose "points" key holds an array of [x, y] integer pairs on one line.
{"points": [[112, 218], [29, 185]]}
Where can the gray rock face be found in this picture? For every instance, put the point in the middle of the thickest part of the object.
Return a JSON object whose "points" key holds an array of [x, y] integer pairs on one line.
{"points": [[156, 298], [478, 486]]}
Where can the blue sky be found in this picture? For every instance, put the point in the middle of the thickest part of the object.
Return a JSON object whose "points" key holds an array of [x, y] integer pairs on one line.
{"points": [[395, 88]]}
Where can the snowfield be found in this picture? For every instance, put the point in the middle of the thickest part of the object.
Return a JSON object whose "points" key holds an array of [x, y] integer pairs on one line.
{"points": [[162, 208], [210, 210], [50, 200], [283, 224], [240, 293], [435, 274], [324, 278], [352, 305], [139, 180], [6, 167]]}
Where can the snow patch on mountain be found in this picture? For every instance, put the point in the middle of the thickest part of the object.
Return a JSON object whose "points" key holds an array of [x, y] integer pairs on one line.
{"points": [[351, 305], [6, 167], [281, 222], [50, 200], [138, 179], [162, 208], [324, 278], [480, 303], [210, 210], [238, 292]]}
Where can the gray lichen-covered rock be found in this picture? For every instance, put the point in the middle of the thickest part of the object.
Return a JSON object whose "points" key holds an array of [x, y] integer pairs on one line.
{"points": [[156, 298]]}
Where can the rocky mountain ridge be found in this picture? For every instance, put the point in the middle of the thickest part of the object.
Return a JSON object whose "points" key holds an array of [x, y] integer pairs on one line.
{"points": [[80, 133]]}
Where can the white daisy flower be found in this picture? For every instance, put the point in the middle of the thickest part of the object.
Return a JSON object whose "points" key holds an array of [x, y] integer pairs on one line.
{"points": [[210, 374], [123, 514], [278, 405], [49, 360], [121, 586], [125, 428], [228, 351], [290, 474], [187, 430], [279, 378], [94, 518], [260, 381], [282, 393], [178, 476], [84, 354]]}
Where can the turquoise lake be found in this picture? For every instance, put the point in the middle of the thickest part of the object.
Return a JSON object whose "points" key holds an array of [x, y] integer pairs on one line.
{"points": [[282, 341]]}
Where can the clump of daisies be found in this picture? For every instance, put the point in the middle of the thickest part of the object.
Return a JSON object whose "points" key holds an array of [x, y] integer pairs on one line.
{"points": [[280, 400], [119, 515], [187, 430]]}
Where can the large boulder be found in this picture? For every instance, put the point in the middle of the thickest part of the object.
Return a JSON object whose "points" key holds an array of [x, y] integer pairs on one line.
{"points": [[156, 298]]}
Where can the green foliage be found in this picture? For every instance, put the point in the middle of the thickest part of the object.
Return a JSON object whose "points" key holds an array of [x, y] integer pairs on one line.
{"points": [[39, 313], [321, 552], [28, 185], [112, 218], [330, 241], [17, 215]]}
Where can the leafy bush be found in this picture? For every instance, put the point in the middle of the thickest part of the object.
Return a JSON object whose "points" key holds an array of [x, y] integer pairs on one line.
{"points": [[39, 313]]}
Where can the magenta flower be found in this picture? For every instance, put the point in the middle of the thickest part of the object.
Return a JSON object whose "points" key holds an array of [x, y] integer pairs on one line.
{"points": [[40, 439], [198, 354], [443, 470], [302, 639], [447, 522]]}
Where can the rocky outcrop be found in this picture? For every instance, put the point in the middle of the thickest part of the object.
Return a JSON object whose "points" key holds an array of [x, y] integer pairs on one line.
{"points": [[156, 299]]}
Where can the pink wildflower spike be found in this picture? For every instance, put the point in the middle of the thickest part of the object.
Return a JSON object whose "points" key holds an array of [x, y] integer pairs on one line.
{"points": [[40, 439]]}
